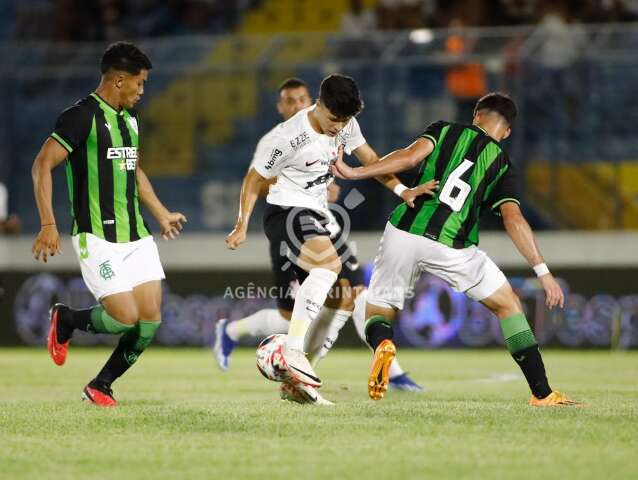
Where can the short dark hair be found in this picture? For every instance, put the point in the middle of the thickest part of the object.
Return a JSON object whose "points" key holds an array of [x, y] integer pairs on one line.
{"points": [[292, 82], [126, 57], [340, 94], [500, 103]]}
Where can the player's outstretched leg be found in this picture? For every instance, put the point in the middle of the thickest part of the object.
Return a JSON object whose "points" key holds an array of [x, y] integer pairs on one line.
{"points": [[324, 331], [267, 321], [523, 347], [126, 353], [65, 320], [141, 309], [399, 379], [309, 299]]}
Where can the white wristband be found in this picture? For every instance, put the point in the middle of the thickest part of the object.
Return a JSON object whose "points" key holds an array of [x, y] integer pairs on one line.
{"points": [[541, 269], [399, 189]]}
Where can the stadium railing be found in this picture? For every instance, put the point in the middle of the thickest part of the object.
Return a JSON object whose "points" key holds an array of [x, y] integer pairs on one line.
{"points": [[210, 98]]}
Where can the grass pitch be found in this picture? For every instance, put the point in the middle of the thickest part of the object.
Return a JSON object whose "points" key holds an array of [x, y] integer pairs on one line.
{"points": [[179, 417]]}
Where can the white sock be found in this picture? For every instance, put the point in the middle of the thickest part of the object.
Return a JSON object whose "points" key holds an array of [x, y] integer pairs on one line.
{"points": [[309, 300], [323, 333], [359, 320], [260, 324], [359, 314]]}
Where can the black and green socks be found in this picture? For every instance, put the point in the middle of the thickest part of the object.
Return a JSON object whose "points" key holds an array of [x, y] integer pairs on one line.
{"points": [[127, 351], [378, 328], [521, 343], [94, 320]]}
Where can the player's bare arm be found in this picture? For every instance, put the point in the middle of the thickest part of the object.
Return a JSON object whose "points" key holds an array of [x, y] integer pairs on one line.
{"points": [[170, 222], [367, 156], [250, 188], [47, 242], [522, 236], [265, 186], [395, 162]]}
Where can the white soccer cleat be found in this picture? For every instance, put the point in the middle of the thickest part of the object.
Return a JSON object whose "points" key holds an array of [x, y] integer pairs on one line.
{"points": [[304, 394], [299, 368]]}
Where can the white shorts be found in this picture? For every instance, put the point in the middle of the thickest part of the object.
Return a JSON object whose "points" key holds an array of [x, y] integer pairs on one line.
{"points": [[404, 256], [109, 268]]}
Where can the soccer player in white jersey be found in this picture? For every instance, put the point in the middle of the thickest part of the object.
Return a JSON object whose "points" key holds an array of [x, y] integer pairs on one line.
{"points": [[297, 214], [293, 96]]}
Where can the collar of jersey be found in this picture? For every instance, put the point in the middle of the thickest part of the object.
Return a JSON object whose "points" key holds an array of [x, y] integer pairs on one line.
{"points": [[104, 103], [309, 125]]}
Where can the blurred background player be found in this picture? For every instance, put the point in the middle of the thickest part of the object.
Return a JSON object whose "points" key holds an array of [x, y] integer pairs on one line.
{"points": [[98, 137], [441, 234], [297, 214], [293, 96]]}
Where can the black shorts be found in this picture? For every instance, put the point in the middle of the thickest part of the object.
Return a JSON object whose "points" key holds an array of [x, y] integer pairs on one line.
{"points": [[287, 228]]}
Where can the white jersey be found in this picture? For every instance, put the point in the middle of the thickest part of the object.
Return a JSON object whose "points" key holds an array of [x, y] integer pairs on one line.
{"points": [[300, 158], [263, 148]]}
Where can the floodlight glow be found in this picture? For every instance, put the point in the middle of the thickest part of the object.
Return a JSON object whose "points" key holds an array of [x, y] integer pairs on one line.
{"points": [[421, 35]]}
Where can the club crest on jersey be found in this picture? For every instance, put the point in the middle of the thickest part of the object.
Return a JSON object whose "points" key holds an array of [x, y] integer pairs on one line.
{"points": [[300, 141], [126, 155], [132, 121]]}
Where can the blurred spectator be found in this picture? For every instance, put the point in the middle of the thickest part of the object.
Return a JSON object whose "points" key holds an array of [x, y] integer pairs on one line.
{"points": [[559, 40], [9, 224], [355, 25], [358, 21], [556, 46], [464, 80]]}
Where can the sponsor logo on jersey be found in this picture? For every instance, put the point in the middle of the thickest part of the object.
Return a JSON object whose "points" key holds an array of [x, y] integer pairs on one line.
{"points": [[300, 141], [126, 155], [312, 163], [275, 154], [318, 181]]}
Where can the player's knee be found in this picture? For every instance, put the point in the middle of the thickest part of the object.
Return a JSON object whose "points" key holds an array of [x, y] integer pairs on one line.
{"points": [[509, 305], [150, 311], [342, 296], [334, 265], [127, 316]]}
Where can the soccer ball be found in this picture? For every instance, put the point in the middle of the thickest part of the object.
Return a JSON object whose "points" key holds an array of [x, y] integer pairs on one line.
{"points": [[270, 358]]}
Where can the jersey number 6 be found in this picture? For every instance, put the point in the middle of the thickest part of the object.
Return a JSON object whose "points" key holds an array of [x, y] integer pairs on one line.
{"points": [[455, 190]]}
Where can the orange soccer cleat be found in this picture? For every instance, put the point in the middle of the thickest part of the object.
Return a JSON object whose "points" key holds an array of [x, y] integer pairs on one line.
{"points": [[554, 399], [379, 377], [57, 350], [102, 397]]}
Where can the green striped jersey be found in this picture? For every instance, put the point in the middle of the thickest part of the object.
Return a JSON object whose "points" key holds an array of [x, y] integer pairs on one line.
{"points": [[474, 173], [101, 169]]}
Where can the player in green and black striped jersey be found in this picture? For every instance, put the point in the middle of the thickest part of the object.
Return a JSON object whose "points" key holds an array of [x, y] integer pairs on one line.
{"points": [[440, 234], [98, 137], [101, 169]]}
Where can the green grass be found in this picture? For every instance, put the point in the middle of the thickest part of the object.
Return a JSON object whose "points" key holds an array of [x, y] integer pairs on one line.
{"points": [[179, 417]]}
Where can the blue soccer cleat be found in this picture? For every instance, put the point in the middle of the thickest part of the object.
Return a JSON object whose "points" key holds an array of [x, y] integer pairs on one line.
{"points": [[223, 346], [405, 383]]}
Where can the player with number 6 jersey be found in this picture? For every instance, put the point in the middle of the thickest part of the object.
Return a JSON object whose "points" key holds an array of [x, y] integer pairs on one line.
{"points": [[440, 236]]}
